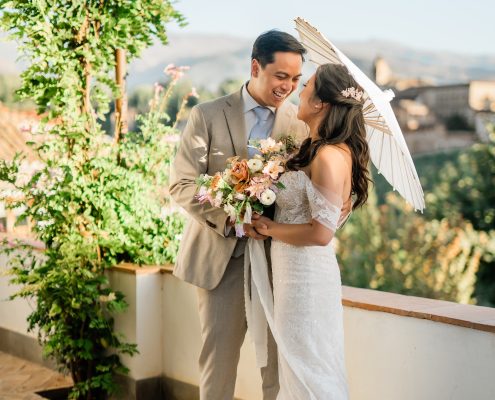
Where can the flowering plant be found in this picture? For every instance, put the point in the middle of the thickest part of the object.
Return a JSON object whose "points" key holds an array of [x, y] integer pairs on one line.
{"points": [[247, 186], [92, 200]]}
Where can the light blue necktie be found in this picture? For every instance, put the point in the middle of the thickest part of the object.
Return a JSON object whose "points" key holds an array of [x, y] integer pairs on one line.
{"points": [[262, 127]]}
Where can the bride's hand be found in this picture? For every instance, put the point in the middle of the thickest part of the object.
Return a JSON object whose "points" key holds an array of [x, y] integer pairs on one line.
{"points": [[261, 224], [251, 232]]}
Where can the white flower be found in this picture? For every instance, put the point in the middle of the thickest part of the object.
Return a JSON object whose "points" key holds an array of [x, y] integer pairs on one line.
{"points": [[222, 184], [270, 146], [42, 211], [268, 197], [57, 174], [44, 224], [23, 179], [230, 211], [248, 214], [202, 191], [13, 195], [217, 201], [111, 297], [239, 230], [255, 165], [227, 175]]}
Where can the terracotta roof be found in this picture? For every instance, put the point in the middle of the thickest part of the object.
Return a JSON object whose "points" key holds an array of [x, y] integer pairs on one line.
{"points": [[13, 132]]}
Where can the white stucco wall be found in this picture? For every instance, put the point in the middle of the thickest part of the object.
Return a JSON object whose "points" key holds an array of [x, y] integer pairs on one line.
{"points": [[13, 313], [388, 357], [393, 357]]}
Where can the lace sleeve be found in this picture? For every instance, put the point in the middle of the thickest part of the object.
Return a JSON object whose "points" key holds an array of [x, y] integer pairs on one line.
{"points": [[325, 208], [329, 172]]}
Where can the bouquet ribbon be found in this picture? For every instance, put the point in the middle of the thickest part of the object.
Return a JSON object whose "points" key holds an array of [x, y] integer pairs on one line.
{"points": [[258, 297], [259, 310]]}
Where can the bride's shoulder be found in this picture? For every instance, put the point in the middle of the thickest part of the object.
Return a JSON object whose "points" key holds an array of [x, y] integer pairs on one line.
{"points": [[331, 153]]}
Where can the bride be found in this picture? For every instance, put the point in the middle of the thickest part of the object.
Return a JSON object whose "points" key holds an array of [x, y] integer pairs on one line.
{"points": [[326, 180]]}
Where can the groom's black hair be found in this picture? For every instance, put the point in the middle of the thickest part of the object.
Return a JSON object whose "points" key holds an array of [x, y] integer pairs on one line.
{"points": [[268, 43]]}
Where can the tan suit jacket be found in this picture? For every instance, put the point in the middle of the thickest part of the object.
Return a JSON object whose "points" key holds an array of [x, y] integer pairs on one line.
{"points": [[214, 132]]}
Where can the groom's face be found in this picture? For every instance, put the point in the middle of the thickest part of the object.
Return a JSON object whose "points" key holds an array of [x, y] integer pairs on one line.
{"points": [[271, 85]]}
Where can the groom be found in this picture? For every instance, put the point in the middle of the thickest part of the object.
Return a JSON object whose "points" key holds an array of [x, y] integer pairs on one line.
{"points": [[210, 256]]}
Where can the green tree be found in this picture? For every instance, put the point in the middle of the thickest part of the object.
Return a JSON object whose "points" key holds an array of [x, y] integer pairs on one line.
{"points": [[459, 186], [94, 202], [466, 186], [229, 86], [391, 248]]}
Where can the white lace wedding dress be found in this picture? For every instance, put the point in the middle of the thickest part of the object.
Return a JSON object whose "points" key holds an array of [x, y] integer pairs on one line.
{"points": [[308, 312], [304, 311]]}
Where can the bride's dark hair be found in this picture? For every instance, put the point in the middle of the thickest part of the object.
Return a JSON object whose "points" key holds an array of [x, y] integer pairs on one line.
{"points": [[343, 123]]}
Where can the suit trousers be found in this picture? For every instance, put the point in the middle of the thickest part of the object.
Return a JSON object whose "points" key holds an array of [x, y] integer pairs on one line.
{"points": [[223, 327]]}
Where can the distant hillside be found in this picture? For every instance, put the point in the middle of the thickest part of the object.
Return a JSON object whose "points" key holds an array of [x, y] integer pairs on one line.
{"points": [[214, 58], [406, 62]]}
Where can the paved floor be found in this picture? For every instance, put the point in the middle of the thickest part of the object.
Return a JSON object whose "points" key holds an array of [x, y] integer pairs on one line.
{"points": [[20, 379]]}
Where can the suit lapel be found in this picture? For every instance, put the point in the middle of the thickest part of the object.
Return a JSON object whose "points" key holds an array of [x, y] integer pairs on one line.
{"points": [[234, 116]]}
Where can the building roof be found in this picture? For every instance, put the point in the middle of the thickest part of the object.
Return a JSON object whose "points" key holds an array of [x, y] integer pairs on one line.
{"points": [[14, 132]]}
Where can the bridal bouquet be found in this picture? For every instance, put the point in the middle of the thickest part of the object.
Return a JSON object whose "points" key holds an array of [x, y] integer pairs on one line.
{"points": [[247, 186]]}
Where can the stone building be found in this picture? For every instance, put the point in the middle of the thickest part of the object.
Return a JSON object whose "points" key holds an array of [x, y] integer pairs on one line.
{"points": [[465, 107], [14, 133], [439, 117], [464, 99]]}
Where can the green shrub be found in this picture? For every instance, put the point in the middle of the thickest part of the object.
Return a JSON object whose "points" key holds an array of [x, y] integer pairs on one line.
{"points": [[95, 201]]}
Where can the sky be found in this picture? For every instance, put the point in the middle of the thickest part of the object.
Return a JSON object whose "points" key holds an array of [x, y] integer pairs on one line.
{"points": [[460, 26]]}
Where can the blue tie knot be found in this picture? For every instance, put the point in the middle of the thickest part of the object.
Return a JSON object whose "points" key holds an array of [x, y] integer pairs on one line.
{"points": [[262, 113]]}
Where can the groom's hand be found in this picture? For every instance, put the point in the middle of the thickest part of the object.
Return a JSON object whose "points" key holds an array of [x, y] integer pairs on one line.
{"points": [[251, 232]]}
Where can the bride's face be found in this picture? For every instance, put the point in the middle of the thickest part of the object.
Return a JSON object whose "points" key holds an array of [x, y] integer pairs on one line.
{"points": [[309, 104]]}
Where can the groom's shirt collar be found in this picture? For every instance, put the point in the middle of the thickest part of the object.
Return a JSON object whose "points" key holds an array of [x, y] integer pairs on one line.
{"points": [[249, 102]]}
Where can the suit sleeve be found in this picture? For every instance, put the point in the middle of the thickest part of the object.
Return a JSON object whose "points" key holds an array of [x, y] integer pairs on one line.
{"points": [[191, 161]]}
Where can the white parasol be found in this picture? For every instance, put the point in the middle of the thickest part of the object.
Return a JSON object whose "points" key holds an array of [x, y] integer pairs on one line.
{"points": [[388, 149]]}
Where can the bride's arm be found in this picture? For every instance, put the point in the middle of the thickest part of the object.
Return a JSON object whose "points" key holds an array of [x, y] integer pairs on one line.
{"points": [[329, 172], [310, 234]]}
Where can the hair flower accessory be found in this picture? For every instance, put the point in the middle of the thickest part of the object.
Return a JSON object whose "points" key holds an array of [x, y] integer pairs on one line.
{"points": [[356, 94]]}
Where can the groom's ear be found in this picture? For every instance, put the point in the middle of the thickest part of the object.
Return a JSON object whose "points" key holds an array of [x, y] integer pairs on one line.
{"points": [[255, 68]]}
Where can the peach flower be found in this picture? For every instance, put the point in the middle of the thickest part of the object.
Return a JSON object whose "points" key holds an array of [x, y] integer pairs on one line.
{"points": [[240, 171], [273, 168]]}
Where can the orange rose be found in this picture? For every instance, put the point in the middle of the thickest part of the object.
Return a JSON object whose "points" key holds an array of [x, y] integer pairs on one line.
{"points": [[214, 181], [240, 171], [239, 188]]}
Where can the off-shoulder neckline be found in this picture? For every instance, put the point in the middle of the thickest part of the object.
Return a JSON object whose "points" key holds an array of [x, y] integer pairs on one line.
{"points": [[347, 216]]}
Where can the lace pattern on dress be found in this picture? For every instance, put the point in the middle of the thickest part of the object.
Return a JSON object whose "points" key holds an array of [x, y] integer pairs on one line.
{"points": [[322, 210], [306, 318], [302, 201]]}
